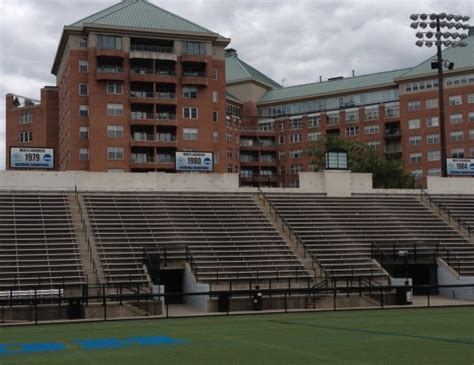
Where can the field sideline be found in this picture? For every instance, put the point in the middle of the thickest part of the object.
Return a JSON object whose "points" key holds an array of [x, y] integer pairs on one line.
{"points": [[415, 336]]}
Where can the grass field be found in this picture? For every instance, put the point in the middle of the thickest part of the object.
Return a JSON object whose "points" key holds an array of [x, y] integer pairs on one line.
{"points": [[413, 336]]}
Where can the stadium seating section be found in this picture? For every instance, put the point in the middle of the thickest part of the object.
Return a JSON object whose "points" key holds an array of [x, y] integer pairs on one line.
{"points": [[341, 232], [227, 235], [459, 207], [38, 246]]}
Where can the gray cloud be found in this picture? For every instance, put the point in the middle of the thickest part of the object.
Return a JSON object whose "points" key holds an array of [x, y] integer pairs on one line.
{"points": [[295, 40]]}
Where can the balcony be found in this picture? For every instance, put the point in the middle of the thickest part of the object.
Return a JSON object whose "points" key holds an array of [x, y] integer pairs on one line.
{"points": [[257, 146], [144, 118], [145, 140], [195, 78], [393, 149], [148, 161], [109, 73], [393, 133], [151, 75], [153, 52], [153, 97], [110, 52]]}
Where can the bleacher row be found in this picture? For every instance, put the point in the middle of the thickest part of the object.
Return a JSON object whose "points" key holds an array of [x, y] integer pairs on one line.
{"points": [[342, 232], [227, 236], [459, 207], [38, 247]]}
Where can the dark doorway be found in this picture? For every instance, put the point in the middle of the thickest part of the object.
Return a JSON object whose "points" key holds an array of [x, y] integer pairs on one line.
{"points": [[173, 282], [422, 274]]}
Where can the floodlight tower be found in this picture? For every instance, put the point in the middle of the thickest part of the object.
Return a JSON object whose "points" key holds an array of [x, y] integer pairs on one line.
{"points": [[439, 37]]}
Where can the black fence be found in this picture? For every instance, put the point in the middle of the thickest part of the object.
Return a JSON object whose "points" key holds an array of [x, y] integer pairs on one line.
{"points": [[102, 303]]}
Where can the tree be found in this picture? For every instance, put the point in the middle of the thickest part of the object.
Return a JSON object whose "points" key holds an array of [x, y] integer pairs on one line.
{"points": [[386, 172]]}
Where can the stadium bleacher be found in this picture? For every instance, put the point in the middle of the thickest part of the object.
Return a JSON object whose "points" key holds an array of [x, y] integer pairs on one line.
{"points": [[459, 207], [342, 232], [38, 247], [226, 235]]}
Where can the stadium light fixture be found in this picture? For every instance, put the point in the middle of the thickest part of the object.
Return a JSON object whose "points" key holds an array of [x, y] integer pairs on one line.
{"points": [[440, 37]]}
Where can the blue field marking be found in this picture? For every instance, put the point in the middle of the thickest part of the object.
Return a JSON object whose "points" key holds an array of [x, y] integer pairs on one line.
{"points": [[25, 348], [112, 343]]}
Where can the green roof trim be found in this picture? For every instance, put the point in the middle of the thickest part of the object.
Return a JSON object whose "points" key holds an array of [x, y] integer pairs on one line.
{"points": [[237, 70], [141, 14], [333, 86], [462, 57]]}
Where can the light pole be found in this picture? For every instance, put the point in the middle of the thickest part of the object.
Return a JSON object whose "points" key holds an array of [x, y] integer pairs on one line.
{"points": [[439, 37]]}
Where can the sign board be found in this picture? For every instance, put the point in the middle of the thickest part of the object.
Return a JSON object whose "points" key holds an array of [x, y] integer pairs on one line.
{"points": [[460, 166], [194, 161], [31, 158]]}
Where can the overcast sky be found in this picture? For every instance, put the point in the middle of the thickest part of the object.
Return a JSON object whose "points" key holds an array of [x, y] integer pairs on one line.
{"points": [[292, 40]]}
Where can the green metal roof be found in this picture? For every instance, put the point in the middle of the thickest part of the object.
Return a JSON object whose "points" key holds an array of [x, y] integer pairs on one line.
{"points": [[141, 14], [229, 96], [463, 57], [333, 86], [237, 70]]}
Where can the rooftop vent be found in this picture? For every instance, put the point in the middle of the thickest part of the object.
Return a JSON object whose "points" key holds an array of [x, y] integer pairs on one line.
{"points": [[231, 52]]}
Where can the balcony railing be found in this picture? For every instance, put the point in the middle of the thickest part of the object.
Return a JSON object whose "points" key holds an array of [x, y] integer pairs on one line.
{"points": [[151, 94], [393, 149], [110, 69], [257, 144], [393, 132], [267, 159], [392, 113], [152, 116], [165, 159], [146, 48], [150, 71], [162, 95], [143, 137], [139, 158], [194, 74], [165, 116]]}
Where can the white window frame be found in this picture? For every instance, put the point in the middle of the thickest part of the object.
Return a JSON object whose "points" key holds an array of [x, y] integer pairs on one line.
{"points": [[83, 132], [115, 153], [25, 137], [116, 108], [115, 131], [414, 124], [190, 92], [190, 134], [116, 86], [188, 112], [83, 66], [433, 155], [83, 154], [80, 89], [84, 108]]}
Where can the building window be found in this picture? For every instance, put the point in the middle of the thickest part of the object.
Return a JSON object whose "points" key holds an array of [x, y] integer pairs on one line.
{"points": [[455, 100], [373, 145], [190, 92], [460, 80], [372, 129], [392, 110], [84, 132], [314, 136], [281, 156], [470, 98], [84, 111], [333, 118], [414, 141], [314, 121], [216, 158], [114, 88], [214, 74], [229, 137], [296, 138], [83, 66], [26, 137], [115, 110], [190, 134], [455, 119], [372, 113], [432, 122], [296, 123], [229, 168], [434, 172], [196, 48], [215, 117], [432, 139], [114, 153], [471, 117], [214, 96], [281, 139], [352, 116], [294, 169], [434, 155], [416, 173], [414, 124], [215, 136], [415, 157], [190, 113], [106, 41], [26, 118], [83, 89], [84, 154], [471, 134], [83, 42], [457, 153], [296, 154], [431, 103], [471, 150], [114, 131], [229, 153], [352, 131], [457, 136], [414, 105]]}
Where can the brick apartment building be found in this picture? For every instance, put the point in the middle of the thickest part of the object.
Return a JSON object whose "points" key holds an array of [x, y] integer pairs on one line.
{"points": [[136, 83]]}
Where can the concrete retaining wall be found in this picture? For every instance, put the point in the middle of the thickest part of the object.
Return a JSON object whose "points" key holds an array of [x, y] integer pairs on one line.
{"points": [[446, 276]]}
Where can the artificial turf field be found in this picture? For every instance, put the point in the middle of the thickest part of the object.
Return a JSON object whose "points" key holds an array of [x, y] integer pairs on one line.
{"points": [[410, 336]]}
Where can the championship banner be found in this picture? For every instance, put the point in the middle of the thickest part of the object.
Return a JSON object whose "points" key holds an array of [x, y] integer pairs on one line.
{"points": [[460, 166], [31, 158], [194, 161]]}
